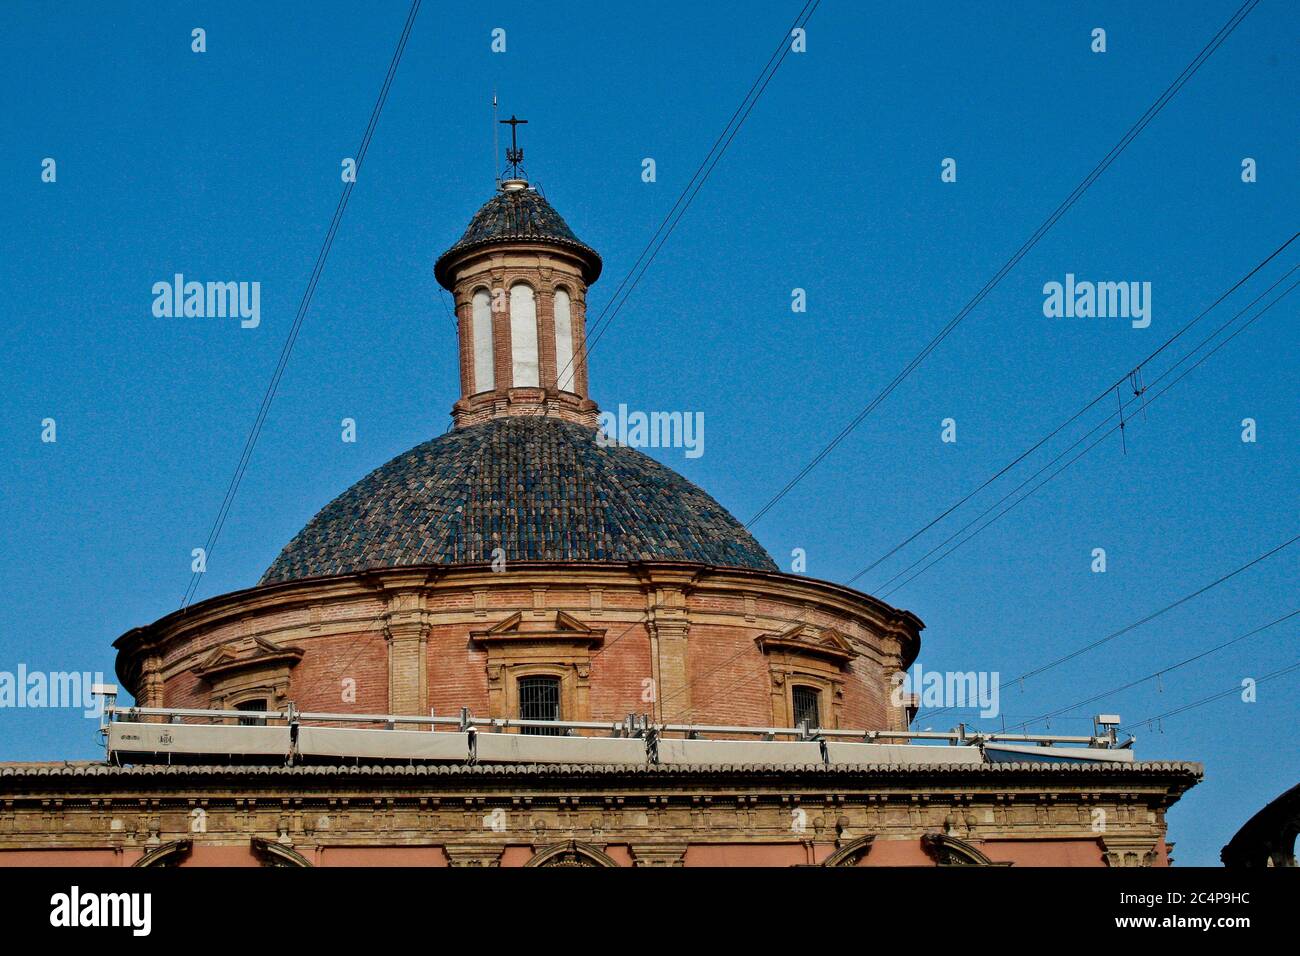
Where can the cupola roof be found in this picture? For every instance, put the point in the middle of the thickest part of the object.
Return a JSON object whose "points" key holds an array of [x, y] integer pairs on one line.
{"points": [[517, 213], [538, 488]]}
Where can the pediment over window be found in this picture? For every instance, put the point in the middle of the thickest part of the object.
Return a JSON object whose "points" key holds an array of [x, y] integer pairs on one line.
{"points": [[805, 639], [949, 851], [852, 853], [571, 853], [239, 656], [168, 854], [277, 854], [560, 629]]}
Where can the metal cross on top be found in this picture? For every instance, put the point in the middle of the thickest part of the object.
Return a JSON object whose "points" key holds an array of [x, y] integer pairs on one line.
{"points": [[514, 155]]}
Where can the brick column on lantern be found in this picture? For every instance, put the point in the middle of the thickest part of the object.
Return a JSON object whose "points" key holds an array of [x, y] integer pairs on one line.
{"points": [[518, 238]]}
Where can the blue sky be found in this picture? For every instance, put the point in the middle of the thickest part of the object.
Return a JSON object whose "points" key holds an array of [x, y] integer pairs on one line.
{"points": [[225, 165]]}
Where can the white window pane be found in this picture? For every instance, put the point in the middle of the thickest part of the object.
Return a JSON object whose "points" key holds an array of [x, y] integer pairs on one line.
{"points": [[563, 341], [523, 336], [484, 375]]}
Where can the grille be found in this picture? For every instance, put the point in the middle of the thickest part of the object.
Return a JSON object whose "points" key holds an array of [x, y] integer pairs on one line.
{"points": [[539, 699], [253, 707], [807, 711]]}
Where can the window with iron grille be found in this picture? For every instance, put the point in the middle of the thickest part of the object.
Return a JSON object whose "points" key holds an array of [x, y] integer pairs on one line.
{"points": [[807, 706], [252, 706], [539, 699]]}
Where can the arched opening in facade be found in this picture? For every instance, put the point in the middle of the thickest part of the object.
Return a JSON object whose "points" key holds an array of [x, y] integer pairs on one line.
{"points": [[523, 337], [481, 337]]}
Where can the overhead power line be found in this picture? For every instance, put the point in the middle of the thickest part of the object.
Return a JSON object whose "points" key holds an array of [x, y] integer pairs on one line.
{"points": [[1093, 645], [692, 188], [1142, 399], [1193, 351], [1154, 675], [1188, 72], [1152, 111], [246, 456], [1103, 394], [1148, 721], [1032, 491]]}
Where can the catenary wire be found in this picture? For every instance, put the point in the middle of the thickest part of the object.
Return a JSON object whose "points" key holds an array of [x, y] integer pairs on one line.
{"points": [[286, 351], [1152, 111]]}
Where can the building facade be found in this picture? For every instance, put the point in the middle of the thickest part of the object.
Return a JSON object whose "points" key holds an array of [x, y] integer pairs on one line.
{"points": [[524, 567]]}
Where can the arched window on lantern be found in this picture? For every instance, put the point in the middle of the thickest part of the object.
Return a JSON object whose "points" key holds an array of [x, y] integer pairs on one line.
{"points": [[564, 340], [481, 333], [523, 336]]}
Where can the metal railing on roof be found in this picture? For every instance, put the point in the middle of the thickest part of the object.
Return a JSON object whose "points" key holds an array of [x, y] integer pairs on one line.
{"points": [[289, 733]]}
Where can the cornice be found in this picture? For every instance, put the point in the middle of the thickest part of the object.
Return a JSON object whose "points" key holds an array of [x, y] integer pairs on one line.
{"points": [[380, 584]]}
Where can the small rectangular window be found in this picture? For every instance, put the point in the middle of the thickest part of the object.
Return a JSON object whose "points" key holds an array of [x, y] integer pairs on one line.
{"points": [[539, 699], [253, 707], [807, 706]]}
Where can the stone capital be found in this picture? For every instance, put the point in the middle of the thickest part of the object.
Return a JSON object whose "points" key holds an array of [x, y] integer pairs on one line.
{"points": [[473, 854], [658, 854], [1129, 850]]}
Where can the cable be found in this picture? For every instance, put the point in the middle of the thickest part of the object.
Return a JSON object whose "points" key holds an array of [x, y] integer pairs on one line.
{"points": [[782, 49], [1153, 675], [245, 457], [691, 199], [1190, 353], [1065, 206], [1152, 111], [1073, 418], [1193, 351], [1136, 624], [1145, 401], [1148, 721]]}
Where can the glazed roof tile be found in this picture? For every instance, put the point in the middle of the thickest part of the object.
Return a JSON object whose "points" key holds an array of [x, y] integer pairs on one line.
{"points": [[539, 488], [518, 215]]}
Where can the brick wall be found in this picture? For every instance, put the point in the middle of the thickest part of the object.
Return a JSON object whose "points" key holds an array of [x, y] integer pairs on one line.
{"points": [[702, 646]]}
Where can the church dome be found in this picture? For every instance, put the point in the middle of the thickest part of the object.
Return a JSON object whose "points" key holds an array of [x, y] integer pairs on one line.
{"points": [[517, 213], [539, 488]]}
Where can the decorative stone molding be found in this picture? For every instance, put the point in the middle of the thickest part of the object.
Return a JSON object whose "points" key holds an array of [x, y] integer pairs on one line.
{"points": [[152, 682], [1128, 851], [254, 668], [473, 854], [169, 854], [571, 853], [406, 624], [522, 646], [804, 640], [668, 622], [950, 851], [658, 854], [273, 853], [805, 655], [408, 810], [851, 854]]}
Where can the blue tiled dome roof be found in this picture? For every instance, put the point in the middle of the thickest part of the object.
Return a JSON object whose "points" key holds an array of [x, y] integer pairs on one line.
{"points": [[518, 215], [540, 488]]}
